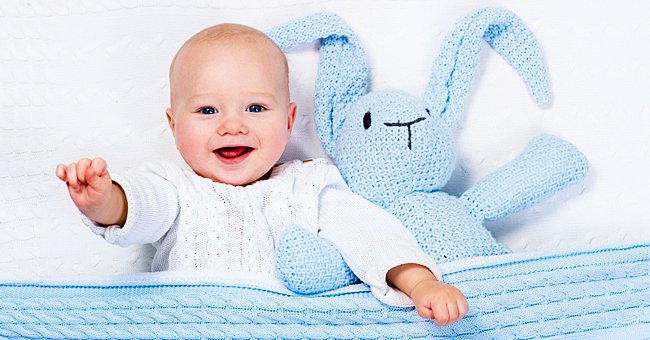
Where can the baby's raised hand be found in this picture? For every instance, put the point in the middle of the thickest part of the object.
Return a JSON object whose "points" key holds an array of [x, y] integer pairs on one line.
{"points": [[440, 302], [89, 184]]}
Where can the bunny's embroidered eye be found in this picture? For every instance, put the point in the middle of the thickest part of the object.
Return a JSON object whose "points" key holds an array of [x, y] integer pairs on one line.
{"points": [[366, 120], [428, 111]]}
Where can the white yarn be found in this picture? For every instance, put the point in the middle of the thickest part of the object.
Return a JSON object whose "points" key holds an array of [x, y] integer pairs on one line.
{"points": [[197, 224]]}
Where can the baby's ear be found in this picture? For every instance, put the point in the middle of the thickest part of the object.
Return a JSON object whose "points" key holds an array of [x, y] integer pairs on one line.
{"points": [[292, 115], [170, 119]]}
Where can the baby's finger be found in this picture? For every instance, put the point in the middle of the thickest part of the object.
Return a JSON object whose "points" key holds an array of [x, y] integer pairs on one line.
{"points": [[452, 308], [463, 308], [90, 176], [94, 178], [60, 172], [441, 315], [71, 172], [425, 312], [82, 165], [99, 165]]}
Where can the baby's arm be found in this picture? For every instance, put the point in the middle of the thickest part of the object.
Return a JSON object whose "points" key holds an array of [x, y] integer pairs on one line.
{"points": [[434, 300], [383, 253], [93, 192]]}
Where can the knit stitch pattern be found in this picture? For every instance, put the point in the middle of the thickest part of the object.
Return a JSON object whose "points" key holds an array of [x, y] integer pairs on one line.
{"points": [[397, 150], [325, 267], [588, 294]]}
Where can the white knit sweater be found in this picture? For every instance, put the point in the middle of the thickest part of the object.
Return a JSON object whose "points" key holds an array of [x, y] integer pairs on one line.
{"points": [[196, 223]]}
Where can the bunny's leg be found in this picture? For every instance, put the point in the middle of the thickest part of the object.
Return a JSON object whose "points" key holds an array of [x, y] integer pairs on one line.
{"points": [[548, 165], [308, 264]]}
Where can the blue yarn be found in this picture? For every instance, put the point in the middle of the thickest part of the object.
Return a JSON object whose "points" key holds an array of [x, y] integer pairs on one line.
{"points": [[324, 268], [342, 57], [397, 150], [454, 68], [605, 294]]}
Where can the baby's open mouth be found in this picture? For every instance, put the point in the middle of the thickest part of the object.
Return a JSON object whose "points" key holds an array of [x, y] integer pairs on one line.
{"points": [[233, 152]]}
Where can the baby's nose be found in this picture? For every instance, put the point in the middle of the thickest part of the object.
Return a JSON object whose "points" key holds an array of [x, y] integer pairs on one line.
{"points": [[231, 124]]}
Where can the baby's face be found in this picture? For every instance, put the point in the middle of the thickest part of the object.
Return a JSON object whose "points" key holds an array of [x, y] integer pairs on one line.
{"points": [[230, 115]]}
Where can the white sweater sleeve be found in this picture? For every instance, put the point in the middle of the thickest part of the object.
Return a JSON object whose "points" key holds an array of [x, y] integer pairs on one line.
{"points": [[152, 207], [371, 240]]}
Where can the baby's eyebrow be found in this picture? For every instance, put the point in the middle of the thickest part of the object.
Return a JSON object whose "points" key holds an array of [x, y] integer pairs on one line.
{"points": [[261, 96], [196, 99], [251, 96], [199, 96]]}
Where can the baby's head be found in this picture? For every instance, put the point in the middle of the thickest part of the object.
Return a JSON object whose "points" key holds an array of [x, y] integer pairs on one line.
{"points": [[230, 110]]}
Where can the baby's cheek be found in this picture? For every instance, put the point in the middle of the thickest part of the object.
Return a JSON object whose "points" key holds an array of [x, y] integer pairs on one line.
{"points": [[189, 148], [187, 136]]}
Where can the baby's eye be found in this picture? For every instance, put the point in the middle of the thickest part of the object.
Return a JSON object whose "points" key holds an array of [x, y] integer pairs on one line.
{"points": [[208, 110], [255, 108]]}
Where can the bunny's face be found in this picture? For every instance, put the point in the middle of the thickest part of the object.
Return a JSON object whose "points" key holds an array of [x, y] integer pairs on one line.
{"points": [[390, 144]]}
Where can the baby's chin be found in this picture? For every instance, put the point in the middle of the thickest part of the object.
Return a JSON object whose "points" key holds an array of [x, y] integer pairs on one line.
{"points": [[240, 178]]}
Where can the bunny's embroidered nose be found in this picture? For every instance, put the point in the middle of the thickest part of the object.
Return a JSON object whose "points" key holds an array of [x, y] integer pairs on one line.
{"points": [[408, 126]]}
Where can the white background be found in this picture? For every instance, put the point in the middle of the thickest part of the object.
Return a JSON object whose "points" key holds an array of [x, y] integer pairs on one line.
{"points": [[85, 79]]}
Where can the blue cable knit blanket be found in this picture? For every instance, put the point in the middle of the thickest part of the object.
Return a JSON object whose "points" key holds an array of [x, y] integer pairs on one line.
{"points": [[592, 293]]}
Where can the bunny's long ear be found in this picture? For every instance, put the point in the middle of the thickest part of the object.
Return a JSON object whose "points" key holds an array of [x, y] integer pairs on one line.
{"points": [[342, 73], [454, 69]]}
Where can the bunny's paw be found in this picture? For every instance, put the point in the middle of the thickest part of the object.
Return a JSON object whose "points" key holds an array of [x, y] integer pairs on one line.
{"points": [[307, 264]]}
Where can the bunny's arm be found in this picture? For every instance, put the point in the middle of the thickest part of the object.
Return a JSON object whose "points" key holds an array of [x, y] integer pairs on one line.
{"points": [[548, 165]]}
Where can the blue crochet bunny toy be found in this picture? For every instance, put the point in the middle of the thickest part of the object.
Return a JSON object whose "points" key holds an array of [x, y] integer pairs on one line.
{"points": [[397, 150]]}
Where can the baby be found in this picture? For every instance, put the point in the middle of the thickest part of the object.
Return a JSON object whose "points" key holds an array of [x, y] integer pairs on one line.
{"points": [[231, 119]]}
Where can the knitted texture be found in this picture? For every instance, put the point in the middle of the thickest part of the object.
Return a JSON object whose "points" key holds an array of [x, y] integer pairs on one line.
{"points": [[329, 266], [222, 228], [342, 58], [519, 184], [527, 179], [586, 294], [454, 68], [397, 150]]}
